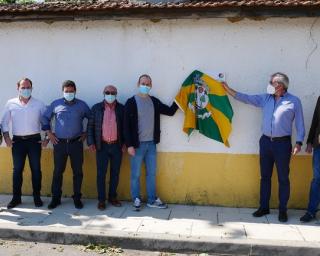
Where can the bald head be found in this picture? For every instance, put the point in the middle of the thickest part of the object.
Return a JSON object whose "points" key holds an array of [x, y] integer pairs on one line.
{"points": [[110, 89]]}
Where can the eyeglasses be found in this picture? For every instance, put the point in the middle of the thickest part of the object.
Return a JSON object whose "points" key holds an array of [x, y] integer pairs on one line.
{"points": [[112, 93]]}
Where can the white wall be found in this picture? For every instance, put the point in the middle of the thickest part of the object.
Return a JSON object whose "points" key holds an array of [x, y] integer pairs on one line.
{"points": [[97, 53]]}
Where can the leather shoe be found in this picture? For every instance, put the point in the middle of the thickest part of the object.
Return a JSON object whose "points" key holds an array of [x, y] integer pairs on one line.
{"points": [[37, 201], [13, 203], [101, 206], [115, 202], [260, 212], [54, 203], [307, 217], [77, 203], [283, 216]]}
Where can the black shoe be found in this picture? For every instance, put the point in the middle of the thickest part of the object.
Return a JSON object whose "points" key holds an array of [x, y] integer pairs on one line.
{"points": [[77, 203], [37, 201], [54, 203], [260, 212], [307, 217], [13, 203], [283, 216]]}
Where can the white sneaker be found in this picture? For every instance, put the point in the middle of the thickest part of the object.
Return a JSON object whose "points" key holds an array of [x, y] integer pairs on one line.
{"points": [[158, 204], [137, 204]]}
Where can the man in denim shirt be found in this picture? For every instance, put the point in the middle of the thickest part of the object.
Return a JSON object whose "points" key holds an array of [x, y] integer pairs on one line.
{"points": [[69, 113], [280, 109]]}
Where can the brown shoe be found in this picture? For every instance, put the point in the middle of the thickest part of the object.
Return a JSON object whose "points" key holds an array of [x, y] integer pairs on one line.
{"points": [[101, 206], [115, 202]]}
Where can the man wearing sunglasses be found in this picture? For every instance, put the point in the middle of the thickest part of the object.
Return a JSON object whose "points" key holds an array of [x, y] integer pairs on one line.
{"points": [[105, 137]]}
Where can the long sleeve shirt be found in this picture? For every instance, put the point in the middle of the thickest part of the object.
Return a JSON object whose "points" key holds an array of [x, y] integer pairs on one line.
{"points": [[24, 118], [68, 118], [278, 115], [314, 132]]}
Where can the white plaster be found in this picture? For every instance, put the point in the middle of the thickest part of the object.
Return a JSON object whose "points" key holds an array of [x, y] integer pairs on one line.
{"points": [[97, 53]]}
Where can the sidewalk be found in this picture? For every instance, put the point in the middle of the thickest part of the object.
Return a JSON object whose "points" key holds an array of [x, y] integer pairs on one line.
{"points": [[178, 228]]}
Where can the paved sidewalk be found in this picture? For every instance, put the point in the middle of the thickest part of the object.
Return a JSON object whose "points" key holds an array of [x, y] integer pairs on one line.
{"points": [[178, 228]]}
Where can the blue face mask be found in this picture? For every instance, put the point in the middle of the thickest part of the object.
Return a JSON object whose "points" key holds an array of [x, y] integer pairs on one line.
{"points": [[25, 93], [110, 98], [144, 89], [69, 96]]}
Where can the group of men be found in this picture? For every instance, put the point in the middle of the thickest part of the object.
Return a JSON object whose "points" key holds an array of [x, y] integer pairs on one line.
{"points": [[111, 130], [114, 128]]}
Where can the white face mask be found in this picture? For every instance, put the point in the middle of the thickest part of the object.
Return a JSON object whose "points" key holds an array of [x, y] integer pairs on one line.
{"points": [[25, 93], [69, 96], [271, 89], [110, 98], [144, 89]]}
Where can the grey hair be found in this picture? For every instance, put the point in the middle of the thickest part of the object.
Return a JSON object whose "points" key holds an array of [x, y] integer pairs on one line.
{"points": [[281, 78]]}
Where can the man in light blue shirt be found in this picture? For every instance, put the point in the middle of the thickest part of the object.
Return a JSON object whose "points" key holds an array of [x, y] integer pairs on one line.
{"points": [[67, 139], [280, 110]]}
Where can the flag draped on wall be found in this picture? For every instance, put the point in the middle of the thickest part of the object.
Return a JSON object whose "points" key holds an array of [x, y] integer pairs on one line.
{"points": [[206, 107]]}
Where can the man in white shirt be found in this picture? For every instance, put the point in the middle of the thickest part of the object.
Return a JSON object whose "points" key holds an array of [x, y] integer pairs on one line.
{"points": [[24, 113]]}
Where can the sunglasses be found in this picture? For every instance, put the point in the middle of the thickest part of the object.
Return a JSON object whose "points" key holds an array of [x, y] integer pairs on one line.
{"points": [[112, 93]]}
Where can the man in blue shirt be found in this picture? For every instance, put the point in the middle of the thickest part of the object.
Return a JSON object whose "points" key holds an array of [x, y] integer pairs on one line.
{"points": [[280, 109], [67, 140]]}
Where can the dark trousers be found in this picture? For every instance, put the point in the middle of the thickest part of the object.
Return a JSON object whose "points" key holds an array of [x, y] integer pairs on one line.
{"points": [[112, 153], [279, 153], [61, 152], [22, 148], [314, 196]]}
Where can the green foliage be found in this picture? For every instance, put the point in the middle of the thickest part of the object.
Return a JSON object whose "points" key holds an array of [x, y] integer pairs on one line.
{"points": [[103, 249]]}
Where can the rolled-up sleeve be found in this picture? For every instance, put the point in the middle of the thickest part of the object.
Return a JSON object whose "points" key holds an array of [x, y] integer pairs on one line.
{"points": [[46, 118]]}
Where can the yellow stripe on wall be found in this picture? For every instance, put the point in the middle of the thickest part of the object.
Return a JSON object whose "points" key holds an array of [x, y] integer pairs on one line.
{"points": [[187, 178]]}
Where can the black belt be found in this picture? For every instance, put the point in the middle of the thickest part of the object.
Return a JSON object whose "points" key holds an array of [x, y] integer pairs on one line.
{"points": [[283, 138], [110, 142], [69, 140], [26, 137]]}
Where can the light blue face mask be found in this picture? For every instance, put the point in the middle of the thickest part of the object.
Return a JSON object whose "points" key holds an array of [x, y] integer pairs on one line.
{"points": [[144, 89], [25, 93], [110, 98], [69, 96]]}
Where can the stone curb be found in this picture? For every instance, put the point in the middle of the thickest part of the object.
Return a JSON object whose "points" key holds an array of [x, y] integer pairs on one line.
{"points": [[160, 242]]}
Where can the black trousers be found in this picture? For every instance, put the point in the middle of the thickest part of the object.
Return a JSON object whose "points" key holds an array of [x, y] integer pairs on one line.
{"points": [[61, 152], [21, 149]]}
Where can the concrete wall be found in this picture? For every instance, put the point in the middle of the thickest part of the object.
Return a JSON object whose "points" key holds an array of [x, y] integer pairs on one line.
{"points": [[195, 170]]}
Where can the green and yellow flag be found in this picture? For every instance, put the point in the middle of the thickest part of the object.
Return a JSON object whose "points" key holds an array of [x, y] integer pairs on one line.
{"points": [[206, 107]]}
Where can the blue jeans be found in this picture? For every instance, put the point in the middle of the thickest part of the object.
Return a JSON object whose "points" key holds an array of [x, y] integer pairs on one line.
{"points": [[146, 152], [22, 148], [113, 153], [61, 152], [279, 153], [314, 198]]}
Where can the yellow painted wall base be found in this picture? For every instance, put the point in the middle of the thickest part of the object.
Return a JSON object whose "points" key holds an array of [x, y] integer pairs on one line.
{"points": [[191, 178]]}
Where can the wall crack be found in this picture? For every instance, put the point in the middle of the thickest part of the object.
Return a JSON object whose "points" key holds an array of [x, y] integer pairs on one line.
{"points": [[314, 42]]}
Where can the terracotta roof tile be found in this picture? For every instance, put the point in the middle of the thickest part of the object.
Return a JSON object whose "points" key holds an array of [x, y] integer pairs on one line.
{"points": [[104, 5]]}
